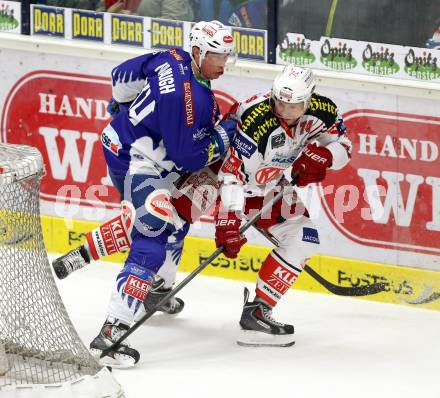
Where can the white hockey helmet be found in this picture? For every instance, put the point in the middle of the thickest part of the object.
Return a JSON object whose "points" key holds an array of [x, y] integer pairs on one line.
{"points": [[293, 85], [211, 36]]}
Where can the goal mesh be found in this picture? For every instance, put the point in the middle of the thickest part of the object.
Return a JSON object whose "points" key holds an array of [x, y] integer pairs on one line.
{"points": [[38, 343]]}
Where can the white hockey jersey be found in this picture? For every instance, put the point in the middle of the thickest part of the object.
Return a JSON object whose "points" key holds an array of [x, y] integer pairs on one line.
{"points": [[265, 148]]}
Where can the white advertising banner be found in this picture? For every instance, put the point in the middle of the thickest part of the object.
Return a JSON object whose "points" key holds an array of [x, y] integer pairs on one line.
{"points": [[384, 206], [10, 16], [368, 58]]}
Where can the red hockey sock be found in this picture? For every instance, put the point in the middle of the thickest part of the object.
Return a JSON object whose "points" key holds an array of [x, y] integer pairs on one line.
{"points": [[275, 278], [113, 236]]}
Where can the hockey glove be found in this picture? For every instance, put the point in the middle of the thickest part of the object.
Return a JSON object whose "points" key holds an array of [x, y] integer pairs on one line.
{"points": [[221, 137], [312, 165], [114, 107], [227, 233]]}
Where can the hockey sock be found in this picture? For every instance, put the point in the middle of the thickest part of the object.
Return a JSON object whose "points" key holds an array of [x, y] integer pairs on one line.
{"points": [[113, 236], [275, 278]]}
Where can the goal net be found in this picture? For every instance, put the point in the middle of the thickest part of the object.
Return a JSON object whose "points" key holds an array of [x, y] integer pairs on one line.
{"points": [[41, 354]]}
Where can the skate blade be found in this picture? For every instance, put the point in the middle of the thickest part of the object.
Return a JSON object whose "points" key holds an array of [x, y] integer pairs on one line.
{"points": [[252, 338], [119, 361]]}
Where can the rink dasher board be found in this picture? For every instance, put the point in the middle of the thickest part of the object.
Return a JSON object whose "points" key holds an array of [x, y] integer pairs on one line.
{"points": [[55, 93], [413, 287]]}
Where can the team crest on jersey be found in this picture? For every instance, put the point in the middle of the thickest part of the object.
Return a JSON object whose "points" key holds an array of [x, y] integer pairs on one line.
{"points": [[267, 174], [278, 140]]}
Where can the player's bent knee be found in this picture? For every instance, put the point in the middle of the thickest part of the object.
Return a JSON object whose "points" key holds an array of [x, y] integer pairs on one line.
{"points": [[150, 253]]}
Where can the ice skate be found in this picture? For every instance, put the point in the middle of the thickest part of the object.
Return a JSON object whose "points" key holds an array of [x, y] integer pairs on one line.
{"points": [[66, 264], [172, 307], [259, 329], [124, 356]]}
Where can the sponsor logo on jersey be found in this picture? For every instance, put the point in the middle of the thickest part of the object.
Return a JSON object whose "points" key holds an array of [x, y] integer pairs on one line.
{"points": [[176, 55], [278, 140], [166, 78], [283, 160], [189, 104], [232, 164], [243, 146], [110, 140], [266, 174], [259, 121], [317, 104], [310, 235], [159, 205], [166, 34], [137, 288], [127, 30], [87, 25], [48, 21]]}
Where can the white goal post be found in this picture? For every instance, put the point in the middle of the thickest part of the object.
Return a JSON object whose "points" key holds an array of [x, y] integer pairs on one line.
{"points": [[41, 354]]}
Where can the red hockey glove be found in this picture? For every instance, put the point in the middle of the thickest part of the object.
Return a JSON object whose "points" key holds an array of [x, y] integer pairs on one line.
{"points": [[227, 233], [312, 164]]}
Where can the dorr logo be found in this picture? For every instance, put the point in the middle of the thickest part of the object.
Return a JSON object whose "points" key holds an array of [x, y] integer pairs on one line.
{"points": [[63, 115], [389, 194]]}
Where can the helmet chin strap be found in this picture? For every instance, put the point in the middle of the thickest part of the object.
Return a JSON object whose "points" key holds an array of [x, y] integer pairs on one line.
{"points": [[198, 67]]}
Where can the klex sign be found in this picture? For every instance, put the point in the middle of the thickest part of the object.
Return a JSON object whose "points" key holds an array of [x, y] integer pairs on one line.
{"points": [[390, 195], [63, 115]]}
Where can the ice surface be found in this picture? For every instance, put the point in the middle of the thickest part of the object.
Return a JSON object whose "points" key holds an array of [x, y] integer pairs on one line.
{"points": [[345, 348]]}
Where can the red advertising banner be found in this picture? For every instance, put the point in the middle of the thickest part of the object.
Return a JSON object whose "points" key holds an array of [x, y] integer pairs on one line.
{"points": [[391, 192], [63, 114]]}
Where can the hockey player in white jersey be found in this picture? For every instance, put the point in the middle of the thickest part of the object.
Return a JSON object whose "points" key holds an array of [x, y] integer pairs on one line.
{"points": [[293, 131]]}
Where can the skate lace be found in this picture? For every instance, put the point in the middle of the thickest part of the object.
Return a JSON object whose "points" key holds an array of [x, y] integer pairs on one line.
{"points": [[172, 304], [75, 260], [116, 333], [267, 314]]}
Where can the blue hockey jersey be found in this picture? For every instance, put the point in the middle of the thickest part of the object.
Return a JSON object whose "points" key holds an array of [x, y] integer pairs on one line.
{"points": [[169, 120]]}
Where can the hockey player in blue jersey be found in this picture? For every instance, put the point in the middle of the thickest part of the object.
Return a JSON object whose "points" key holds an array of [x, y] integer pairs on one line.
{"points": [[165, 123]]}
